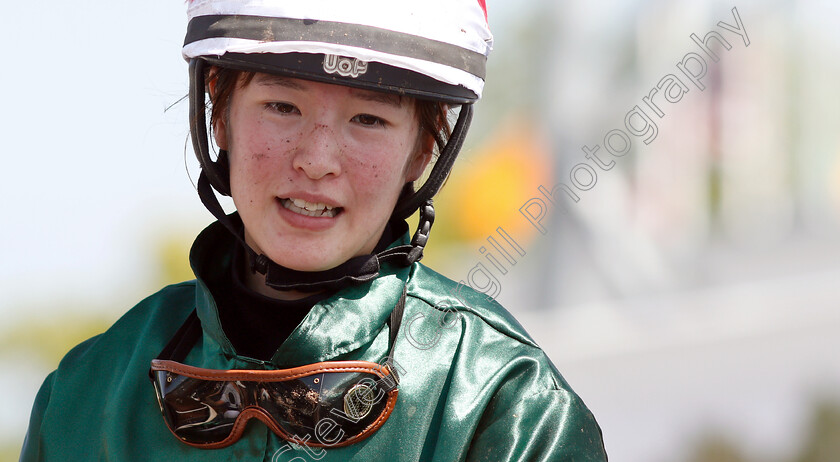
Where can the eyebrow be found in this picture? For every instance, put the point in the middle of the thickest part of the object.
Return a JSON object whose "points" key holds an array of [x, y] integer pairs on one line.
{"points": [[278, 80], [378, 97]]}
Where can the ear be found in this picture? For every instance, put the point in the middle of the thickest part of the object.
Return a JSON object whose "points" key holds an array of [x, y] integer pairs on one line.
{"points": [[417, 165], [220, 132]]}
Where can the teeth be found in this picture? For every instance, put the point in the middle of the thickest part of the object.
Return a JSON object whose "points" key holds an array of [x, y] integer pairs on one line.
{"points": [[311, 206], [311, 209]]}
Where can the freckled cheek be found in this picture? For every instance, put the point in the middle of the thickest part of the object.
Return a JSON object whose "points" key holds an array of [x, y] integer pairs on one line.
{"points": [[376, 172], [260, 162]]}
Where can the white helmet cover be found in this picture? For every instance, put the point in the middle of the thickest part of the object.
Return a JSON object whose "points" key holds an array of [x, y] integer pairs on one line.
{"points": [[446, 42]]}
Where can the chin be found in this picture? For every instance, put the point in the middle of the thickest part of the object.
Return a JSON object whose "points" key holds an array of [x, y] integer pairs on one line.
{"points": [[299, 254], [303, 263]]}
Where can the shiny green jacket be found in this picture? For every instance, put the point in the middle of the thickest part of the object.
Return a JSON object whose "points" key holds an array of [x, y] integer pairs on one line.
{"points": [[473, 385]]}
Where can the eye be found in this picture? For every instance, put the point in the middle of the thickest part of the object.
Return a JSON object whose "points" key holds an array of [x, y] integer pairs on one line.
{"points": [[369, 120], [283, 108]]}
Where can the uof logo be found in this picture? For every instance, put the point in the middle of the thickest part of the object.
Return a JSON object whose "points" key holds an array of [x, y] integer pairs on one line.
{"points": [[346, 67]]}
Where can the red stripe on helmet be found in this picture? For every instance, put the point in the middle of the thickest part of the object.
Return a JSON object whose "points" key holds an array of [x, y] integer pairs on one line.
{"points": [[483, 5]]}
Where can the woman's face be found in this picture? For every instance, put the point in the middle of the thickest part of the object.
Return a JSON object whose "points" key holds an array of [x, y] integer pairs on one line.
{"points": [[315, 168]]}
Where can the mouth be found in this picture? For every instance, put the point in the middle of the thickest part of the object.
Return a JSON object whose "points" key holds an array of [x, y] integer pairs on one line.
{"points": [[310, 209]]}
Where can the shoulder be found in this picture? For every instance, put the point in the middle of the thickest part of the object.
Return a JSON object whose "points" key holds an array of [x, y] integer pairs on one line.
{"points": [[129, 344], [447, 295], [100, 376], [484, 332], [147, 321], [499, 372]]}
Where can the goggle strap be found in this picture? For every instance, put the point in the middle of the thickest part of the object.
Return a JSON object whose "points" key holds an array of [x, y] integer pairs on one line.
{"points": [[394, 323], [182, 342]]}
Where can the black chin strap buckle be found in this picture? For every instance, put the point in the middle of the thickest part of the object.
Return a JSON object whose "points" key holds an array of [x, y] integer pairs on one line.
{"points": [[259, 263], [421, 237]]}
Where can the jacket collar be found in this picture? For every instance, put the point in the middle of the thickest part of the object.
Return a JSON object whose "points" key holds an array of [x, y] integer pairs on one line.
{"points": [[333, 329]]}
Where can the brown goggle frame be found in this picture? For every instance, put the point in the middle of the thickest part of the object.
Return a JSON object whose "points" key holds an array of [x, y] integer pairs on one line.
{"points": [[288, 401]]}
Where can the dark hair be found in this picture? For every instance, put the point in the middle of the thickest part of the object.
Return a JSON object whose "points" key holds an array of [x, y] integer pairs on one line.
{"points": [[431, 114]]}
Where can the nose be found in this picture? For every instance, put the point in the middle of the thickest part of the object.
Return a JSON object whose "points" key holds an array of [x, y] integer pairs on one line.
{"points": [[318, 153]]}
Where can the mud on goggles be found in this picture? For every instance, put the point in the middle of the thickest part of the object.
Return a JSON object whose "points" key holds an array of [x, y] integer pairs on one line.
{"points": [[326, 404]]}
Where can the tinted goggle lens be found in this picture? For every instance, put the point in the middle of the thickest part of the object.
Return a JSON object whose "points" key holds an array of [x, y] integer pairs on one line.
{"points": [[333, 404]]}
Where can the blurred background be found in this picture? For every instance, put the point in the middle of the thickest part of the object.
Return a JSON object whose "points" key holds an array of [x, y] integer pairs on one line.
{"points": [[690, 295]]}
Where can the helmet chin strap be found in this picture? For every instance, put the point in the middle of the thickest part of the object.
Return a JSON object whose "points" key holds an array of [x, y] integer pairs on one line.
{"points": [[215, 174], [443, 165]]}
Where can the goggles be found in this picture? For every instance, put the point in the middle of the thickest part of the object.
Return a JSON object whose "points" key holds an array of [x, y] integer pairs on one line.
{"points": [[326, 404]]}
